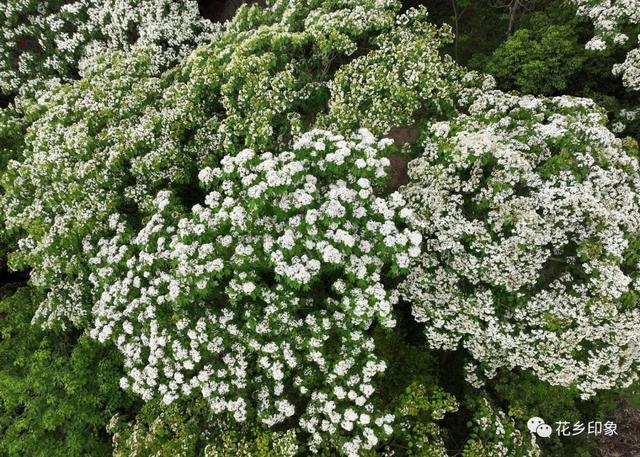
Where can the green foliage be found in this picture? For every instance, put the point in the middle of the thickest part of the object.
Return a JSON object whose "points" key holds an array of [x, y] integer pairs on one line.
{"points": [[493, 432], [543, 58], [188, 428], [419, 410], [528, 397], [109, 161], [57, 390], [411, 384]]}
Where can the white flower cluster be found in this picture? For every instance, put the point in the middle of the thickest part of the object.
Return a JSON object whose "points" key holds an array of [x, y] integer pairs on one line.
{"points": [[623, 119], [261, 298], [334, 28], [630, 69], [69, 178], [105, 145], [44, 41], [530, 209], [609, 17], [170, 29]]}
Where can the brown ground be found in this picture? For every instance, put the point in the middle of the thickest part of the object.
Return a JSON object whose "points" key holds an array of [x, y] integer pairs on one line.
{"points": [[401, 135], [627, 442]]}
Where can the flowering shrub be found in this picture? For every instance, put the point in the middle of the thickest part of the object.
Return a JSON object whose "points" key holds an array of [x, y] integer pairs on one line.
{"points": [[107, 144], [208, 301], [72, 175], [44, 41], [99, 150], [609, 19], [207, 209], [531, 217], [187, 428], [386, 87]]}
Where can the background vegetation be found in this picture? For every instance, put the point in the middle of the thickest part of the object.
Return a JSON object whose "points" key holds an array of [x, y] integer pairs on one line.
{"points": [[60, 388]]}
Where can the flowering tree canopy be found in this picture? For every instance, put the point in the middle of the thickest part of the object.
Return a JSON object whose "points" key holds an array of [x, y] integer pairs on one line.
{"points": [[609, 20], [205, 212], [44, 42], [210, 301], [530, 210], [107, 144], [187, 218]]}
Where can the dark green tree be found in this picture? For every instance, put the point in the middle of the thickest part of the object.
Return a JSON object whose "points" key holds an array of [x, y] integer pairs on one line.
{"points": [[57, 390], [543, 58]]}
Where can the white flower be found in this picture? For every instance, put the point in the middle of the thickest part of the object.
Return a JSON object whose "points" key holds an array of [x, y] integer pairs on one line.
{"points": [[500, 232]]}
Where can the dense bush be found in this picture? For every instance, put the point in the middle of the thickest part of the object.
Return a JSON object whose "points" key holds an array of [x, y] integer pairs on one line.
{"points": [[105, 145], [72, 177], [189, 427], [543, 58], [84, 204], [218, 263], [47, 41], [293, 242], [530, 212], [57, 391]]}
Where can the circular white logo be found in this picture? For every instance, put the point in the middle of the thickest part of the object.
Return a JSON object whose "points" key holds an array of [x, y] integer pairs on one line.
{"points": [[536, 425], [544, 430]]}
